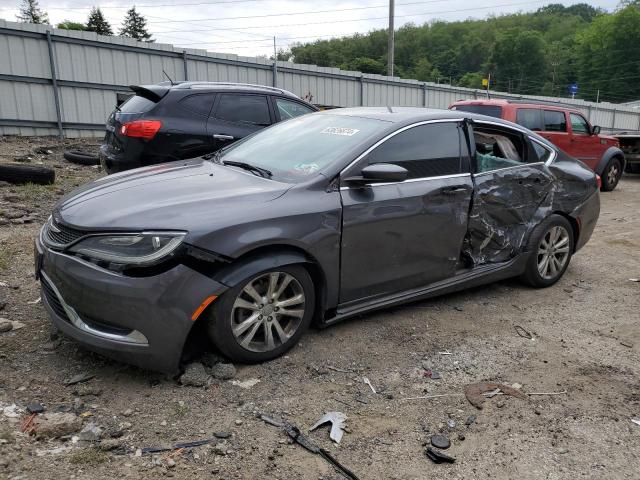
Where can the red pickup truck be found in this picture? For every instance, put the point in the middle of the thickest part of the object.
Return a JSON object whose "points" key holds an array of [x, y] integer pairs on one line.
{"points": [[565, 127]]}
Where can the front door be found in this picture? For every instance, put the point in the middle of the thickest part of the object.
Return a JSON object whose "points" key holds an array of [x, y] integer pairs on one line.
{"points": [[404, 235], [585, 147], [555, 129]]}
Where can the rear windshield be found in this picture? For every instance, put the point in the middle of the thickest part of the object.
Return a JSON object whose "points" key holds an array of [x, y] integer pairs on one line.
{"points": [[300, 148], [137, 104], [489, 110]]}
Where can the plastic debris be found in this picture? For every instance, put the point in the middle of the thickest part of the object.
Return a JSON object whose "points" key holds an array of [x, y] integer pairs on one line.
{"points": [[297, 436], [440, 441], [368, 382], [475, 391], [636, 421], [438, 457], [337, 420]]}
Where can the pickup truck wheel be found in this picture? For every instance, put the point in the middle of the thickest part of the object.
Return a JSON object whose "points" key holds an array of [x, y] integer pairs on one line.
{"points": [[264, 315], [611, 174]]}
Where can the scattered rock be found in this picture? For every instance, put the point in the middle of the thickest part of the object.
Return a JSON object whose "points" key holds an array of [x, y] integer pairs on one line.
{"points": [[90, 433], [209, 359], [461, 436], [224, 371], [35, 408], [562, 451], [626, 343], [220, 449], [451, 423], [222, 435], [110, 444], [5, 325], [169, 462], [54, 425], [80, 378], [195, 375], [128, 412], [84, 390], [440, 441], [470, 420]]}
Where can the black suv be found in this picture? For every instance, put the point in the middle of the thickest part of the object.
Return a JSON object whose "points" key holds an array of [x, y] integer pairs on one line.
{"points": [[167, 122]]}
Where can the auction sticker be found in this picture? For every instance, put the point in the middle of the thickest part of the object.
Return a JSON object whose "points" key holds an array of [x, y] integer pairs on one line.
{"points": [[345, 132]]}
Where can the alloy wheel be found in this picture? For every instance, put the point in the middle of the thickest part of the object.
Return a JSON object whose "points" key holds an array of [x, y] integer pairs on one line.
{"points": [[268, 311], [612, 174], [553, 252]]}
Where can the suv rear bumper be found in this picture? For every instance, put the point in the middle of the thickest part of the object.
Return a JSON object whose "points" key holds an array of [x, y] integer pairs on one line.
{"points": [[114, 163]]}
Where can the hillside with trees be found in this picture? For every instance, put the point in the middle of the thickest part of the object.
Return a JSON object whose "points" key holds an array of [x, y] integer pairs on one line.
{"points": [[529, 53]]}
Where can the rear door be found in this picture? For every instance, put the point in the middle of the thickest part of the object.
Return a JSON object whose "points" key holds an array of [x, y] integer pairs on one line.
{"points": [[511, 183], [236, 115], [584, 146], [403, 235], [555, 129]]}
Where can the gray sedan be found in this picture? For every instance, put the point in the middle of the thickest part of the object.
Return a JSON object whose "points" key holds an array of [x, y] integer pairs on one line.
{"points": [[313, 220]]}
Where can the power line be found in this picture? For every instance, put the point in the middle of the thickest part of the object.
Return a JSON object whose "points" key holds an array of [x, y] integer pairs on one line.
{"points": [[156, 5]]}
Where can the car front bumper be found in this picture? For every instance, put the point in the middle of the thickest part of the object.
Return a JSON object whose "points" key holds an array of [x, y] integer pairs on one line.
{"points": [[143, 321]]}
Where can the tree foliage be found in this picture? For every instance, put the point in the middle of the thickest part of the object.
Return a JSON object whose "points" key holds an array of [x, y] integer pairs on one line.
{"points": [[97, 23], [541, 52], [134, 25], [30, 12], [69, 25]]}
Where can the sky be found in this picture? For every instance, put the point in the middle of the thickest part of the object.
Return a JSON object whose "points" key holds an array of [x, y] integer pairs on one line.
{"points": [[247, 27]]}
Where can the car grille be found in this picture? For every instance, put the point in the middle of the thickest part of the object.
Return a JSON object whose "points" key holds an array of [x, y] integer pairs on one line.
{"points": [[58, 235], [53, 300]]}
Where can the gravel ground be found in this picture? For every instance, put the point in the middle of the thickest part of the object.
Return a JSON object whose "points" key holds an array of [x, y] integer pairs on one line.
{"points": [[586, 342]]}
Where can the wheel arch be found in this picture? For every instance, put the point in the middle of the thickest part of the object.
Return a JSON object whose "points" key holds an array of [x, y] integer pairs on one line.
{"points": [[611, 152], [575, 226]]}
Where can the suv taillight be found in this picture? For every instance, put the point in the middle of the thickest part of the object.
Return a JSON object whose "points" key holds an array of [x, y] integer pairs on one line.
{"points": [[146, 129], [598, 181]]}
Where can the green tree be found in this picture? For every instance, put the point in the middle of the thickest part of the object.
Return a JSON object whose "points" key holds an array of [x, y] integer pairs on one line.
{"points": [[97, 23], [471, 80], [366, 65], [30, 12], [69, 25], [520, 60], [134, 25]]}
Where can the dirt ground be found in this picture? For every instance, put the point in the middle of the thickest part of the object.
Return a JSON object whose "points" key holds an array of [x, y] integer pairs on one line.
{"points": [[586, 342]]}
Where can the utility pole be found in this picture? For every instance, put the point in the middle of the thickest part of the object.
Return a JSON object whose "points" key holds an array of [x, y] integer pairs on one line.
{"points": [[391, 40]]}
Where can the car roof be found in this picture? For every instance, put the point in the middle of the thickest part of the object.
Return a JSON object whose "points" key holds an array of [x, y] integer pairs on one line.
{"points": [[516, 103], [412, 114], [228, 86]]}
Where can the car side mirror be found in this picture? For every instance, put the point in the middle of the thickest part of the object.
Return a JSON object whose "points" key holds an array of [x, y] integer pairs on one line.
{"points": [[380, 173], [595, 130]]}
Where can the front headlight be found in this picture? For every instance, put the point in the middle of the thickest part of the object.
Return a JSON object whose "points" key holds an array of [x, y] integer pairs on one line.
{"points": [[135, 249]]}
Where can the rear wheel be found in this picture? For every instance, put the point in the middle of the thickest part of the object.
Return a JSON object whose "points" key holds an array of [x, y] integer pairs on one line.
{"points": [[263, 316], [551, 249], [611, 174]]}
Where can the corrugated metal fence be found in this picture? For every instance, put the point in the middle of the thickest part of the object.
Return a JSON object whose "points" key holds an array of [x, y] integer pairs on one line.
{"points": [[61, 81]]}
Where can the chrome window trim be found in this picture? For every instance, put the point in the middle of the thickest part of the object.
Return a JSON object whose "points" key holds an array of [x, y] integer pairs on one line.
{"points": [[411, 180], [553, 155], [507, 168], [393, 134]]}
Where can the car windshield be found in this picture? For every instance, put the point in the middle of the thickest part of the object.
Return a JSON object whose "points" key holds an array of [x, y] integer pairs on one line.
{"points": [[299, 148]]}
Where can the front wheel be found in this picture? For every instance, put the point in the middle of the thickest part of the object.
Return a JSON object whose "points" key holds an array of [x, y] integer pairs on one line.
{"points": [[611, 175], [263, 316], [551, 247]]}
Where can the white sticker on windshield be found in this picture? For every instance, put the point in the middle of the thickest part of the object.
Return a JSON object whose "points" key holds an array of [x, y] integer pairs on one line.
{"points": [[347, 132]]}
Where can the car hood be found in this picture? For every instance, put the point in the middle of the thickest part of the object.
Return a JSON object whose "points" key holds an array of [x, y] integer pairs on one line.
{"points": [[175, 196]]}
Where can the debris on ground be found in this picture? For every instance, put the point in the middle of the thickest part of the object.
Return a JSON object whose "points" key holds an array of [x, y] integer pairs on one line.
{"points": [[522, 332], [636, 421], [246, 384], [295, 434], [474, 392], [55, 425], [177, 446], [470, 420], [440, 441], [90, 433], [627, 344], [223, 371], [12, 411], [439, 457], [368, 382], [337, 420], [451, 423], [35, 408], [79, 378], [195, 375], [432, 374]]}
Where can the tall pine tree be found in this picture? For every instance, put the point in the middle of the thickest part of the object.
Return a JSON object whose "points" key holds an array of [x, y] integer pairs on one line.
{"points": [[30, 13], [134, 25], [97, 23]]}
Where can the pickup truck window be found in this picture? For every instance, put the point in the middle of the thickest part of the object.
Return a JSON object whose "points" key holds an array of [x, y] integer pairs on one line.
{"points": [[578, 124], [554, 121]]}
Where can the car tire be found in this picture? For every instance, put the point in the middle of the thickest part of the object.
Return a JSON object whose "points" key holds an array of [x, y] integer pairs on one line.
{"points": [[82, 158], [542, 270], [20, 174], [611, 174], [238, 315]]}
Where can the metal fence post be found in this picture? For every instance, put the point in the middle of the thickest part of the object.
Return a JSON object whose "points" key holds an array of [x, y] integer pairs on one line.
{"points": [[275, 73], [184, 65], [54, 80], [613, 120], [361, 81], [424, 94]]}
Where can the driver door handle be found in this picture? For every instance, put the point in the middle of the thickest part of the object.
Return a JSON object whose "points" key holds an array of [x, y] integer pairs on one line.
{"points": [[219, 136], [453, 189]]}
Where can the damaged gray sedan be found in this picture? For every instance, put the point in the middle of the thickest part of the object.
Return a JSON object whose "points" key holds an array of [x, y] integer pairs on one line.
{"points": [[313, 220]]}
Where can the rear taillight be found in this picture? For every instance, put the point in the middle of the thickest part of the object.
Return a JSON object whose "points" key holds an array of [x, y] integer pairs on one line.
{"points": [[146, 129], [598, 181]]}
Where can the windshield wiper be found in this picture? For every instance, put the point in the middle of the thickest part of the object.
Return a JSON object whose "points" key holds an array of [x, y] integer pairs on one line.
{"points": [[262, 172]]}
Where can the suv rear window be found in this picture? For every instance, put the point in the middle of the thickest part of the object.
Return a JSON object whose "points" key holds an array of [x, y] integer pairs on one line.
{"points": [[554, 121], [137, 104], [247, 109], [530, 118], [489, 110]]}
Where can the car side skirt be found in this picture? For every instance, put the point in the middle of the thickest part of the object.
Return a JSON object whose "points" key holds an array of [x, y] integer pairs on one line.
{"points": [[478, 276]]}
